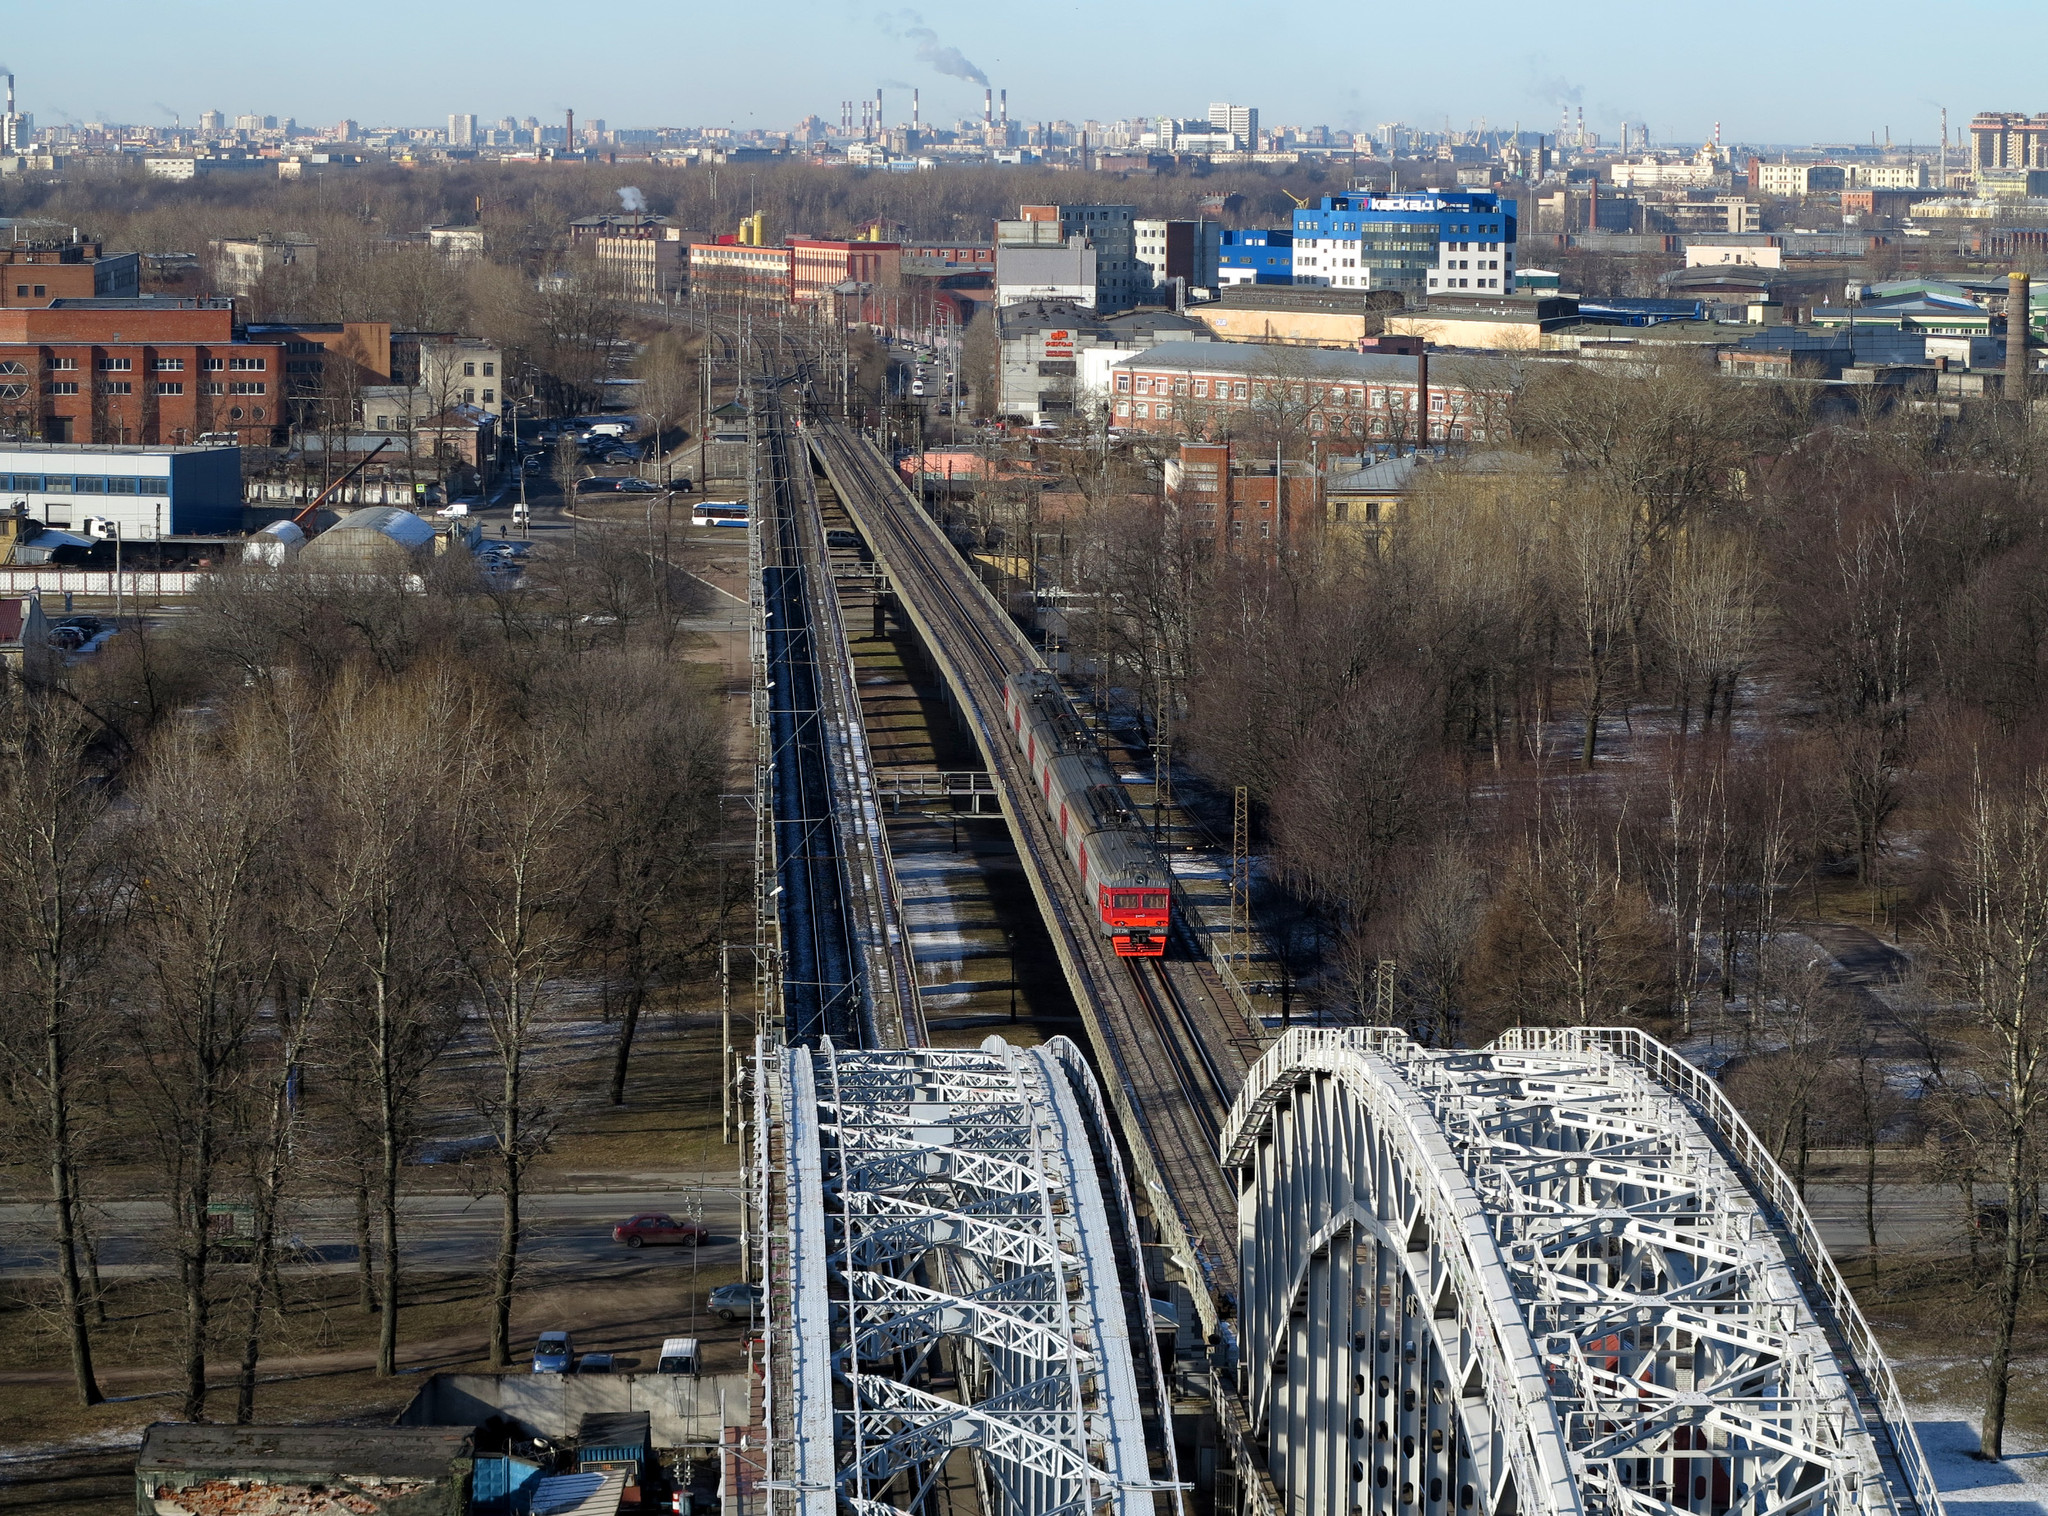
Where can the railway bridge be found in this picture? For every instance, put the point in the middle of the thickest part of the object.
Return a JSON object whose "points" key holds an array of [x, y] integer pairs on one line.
{"points": [[1558, 1274]]}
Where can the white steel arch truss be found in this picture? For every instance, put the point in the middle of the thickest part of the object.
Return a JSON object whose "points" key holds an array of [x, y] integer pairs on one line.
{"points": [[963, 1283], [1529, 1279]]}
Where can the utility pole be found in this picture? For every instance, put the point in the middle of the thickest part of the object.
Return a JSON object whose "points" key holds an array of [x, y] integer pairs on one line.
{"points": [[725, 1039]]}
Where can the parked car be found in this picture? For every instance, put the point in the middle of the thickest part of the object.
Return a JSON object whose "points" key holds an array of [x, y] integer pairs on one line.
{"points": [[554, 1353], [654, 1229], [679, 1355], [730, 1302], [594, 1363], [638, 487]]}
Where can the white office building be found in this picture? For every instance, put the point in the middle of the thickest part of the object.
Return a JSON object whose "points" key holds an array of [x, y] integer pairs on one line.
{"points": [[1241, 121]]}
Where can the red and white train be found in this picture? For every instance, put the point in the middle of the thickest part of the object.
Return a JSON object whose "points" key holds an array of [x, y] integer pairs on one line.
{"points": [[1090, 812]]}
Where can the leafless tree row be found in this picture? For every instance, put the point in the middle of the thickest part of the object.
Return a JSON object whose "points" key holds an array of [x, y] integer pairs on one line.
{"points": [[353, 834]]}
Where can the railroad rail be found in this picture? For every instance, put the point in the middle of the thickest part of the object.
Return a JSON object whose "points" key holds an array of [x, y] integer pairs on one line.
{"points": [[844, 955], [1168, 1102]]}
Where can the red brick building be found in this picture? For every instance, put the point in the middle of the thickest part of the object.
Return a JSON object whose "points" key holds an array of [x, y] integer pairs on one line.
{"points": [[816, 265], [1239, 501], [137, 371], [35, 273], [1197, 388]]}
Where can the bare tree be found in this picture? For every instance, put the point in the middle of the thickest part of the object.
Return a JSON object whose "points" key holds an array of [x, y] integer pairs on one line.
{"points": [[1991, 947], [397, 755], [204, 956], [54, 902], [512, 928]]}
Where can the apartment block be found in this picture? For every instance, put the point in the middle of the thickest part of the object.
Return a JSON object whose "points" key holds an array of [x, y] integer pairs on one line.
{"points": [[1185, 251]]}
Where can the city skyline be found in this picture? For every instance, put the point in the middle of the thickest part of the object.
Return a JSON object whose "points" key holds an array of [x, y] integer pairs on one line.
{"points": [[1827, 72]]}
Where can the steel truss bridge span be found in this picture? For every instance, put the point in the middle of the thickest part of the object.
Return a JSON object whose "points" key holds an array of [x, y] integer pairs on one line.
{"points": [[963, 1308], [1557, 1275]]}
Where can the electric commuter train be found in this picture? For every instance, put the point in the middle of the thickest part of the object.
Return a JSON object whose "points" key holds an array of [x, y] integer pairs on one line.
{"points": [[1088, 808]]}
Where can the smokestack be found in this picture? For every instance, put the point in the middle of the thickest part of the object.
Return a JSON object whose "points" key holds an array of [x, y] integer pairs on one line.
{"points": [[881, 129], [1421, 400], [915, 118], [2018, 321], [10, 94], [1005, 97], [988, 109], [569, 134]]}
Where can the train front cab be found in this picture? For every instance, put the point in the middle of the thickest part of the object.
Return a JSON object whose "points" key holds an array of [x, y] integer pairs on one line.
{"points": [[1137, 920]]}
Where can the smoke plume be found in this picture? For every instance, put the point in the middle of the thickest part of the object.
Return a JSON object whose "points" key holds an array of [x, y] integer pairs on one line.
{"points": [[909, 26], [630, 199]]}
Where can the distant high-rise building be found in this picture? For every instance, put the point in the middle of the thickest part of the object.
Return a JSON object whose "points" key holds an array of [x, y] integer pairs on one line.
{"points": [[255, 123], [345, 132], [462, 130], [212, 121], [1241, 121]]}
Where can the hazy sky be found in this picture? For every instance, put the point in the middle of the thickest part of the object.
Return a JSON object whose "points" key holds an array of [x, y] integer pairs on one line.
{"points": [[1788, 70]]}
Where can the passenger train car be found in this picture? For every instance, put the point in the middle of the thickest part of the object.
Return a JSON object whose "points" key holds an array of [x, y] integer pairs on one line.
{"points": [[1088, 809]]}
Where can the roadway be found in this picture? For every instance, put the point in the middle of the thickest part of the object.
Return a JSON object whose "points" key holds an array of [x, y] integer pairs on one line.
{"points": [[568, 1233]]}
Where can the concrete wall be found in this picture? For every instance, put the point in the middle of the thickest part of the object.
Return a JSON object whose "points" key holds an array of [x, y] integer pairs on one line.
{"points": [[683, 1410]]}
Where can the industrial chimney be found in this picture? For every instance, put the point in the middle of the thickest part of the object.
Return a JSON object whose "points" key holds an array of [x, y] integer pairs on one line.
{"points": [[2018, 321], [10, 94], [569, 133], [988, 109], [1006, 113], [915, 119]]}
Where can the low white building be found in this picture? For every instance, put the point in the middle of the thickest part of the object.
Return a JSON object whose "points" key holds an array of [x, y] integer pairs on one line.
{"points": [[137, 493]]}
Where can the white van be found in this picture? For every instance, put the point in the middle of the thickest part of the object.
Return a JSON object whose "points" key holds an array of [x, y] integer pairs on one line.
{"points": [[598, 429], [679, 1355]]}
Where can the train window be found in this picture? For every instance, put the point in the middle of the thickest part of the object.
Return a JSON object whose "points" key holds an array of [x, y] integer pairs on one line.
{"points": [[1155, 900], [1123, 900]]}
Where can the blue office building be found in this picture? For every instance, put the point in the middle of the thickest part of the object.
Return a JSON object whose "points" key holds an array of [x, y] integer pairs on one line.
{"points": [[1255, 255], [1419, 241]]}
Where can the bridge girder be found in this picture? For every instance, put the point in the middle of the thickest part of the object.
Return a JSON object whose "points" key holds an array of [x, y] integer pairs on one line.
{"points": [[958, 1223], [1535, 1278]]}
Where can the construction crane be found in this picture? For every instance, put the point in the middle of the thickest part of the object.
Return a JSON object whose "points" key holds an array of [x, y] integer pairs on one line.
{"points": [[304, 518], [1299, 203]]}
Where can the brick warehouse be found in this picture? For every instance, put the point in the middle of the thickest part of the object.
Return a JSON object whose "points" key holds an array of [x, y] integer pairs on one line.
{"points": [[1196, 388], [138, 371]]}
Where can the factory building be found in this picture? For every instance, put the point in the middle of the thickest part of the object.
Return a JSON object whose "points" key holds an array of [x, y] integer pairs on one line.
{"points": [[1418, 242]]}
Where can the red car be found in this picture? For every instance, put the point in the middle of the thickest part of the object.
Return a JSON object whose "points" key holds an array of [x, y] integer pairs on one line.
{"points": [[654, 1229]]}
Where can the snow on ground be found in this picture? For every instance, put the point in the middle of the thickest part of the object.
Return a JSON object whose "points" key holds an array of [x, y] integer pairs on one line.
{"points": [[1972, 1487]]}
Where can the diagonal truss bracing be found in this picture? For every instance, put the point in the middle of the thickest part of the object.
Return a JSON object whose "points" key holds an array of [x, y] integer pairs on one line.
{"points": [[1549, 1276], [959, 1244]]}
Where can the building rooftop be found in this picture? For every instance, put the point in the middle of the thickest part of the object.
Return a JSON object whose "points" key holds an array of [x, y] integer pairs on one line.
{"points": [[614, 1429], [1259, 358], [123, 449], [141, 303], [1280, 297], [305, 1452]]}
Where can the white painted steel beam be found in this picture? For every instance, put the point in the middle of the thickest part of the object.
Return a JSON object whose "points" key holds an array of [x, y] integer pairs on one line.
{"points": [[950, 1215], [1534, 1279]]}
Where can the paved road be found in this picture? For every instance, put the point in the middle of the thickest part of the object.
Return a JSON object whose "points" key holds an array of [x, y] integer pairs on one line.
{"points": [[568, 1232]]}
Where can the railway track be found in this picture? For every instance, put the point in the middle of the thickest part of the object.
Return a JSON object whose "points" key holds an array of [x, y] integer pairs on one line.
{"points": [[1171, 1060]]}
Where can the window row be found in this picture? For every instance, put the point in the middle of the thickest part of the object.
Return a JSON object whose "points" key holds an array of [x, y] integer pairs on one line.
{"points": [[86, 484]]}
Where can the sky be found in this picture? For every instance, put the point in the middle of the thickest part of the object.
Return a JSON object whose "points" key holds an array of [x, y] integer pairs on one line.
{"points": [[1790, 71]]}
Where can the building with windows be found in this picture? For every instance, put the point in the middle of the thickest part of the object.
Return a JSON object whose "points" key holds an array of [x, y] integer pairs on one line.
{"points": [[241, 263], [1415, 242], [157, 371], [1054, 354], [1242, 498], [1241, 121], [1106, 231], [740, 270], [1208, 389], [1184, 251], [2009, 139], [639, 255], [817, 265], [35, 272], [1255, 255], [136, 493], [462, 129], [1797, 178]]}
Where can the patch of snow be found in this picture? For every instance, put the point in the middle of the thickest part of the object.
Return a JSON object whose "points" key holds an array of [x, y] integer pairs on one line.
{"points": [[1969, 1485]]}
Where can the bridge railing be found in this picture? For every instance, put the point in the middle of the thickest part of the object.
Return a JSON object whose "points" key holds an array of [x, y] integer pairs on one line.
{"points": [[1707, 1097]]}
